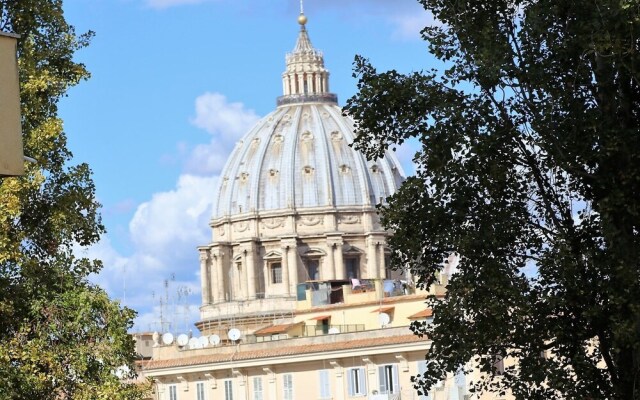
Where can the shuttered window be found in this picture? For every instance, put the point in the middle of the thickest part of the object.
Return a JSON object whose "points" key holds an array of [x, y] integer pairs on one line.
{"points": [[228, 389], [257, 388], [357, 382], [388, 379], [200, 391], [173, 392], [325, 386], [287, 390], [422, 368]]}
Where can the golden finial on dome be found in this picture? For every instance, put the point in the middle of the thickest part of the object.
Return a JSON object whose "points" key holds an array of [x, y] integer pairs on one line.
{"points": [[302, 19]]}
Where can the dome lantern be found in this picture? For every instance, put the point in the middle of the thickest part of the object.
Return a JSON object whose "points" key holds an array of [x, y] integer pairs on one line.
{"points": [[305, 79]]}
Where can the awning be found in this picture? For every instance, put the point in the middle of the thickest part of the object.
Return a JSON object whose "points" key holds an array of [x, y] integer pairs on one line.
{"points": [[422, 314], [383, 309], [321, 318]]}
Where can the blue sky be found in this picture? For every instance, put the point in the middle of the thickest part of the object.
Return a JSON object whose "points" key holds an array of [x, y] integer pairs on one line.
{"points": [[175, 83]]}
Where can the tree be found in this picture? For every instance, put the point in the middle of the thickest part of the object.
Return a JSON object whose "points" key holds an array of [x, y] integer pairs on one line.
{"points": [[529, 169], [60, 336]]}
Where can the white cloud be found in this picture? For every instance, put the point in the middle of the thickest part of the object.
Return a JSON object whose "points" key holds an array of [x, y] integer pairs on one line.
{"points": [[176, 217], [226, 122], [219, 117], [408, 26], [165, 230]]}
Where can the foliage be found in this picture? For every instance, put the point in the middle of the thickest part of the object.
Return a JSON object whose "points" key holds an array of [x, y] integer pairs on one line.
{"points": [[60, 336], [529, 168]]}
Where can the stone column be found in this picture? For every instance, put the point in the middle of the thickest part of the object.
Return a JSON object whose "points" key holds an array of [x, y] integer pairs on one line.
{"points": [[381, 259], [251, 272], [204, 277], [300, 83], [285, 270], [244, 276], [373, 272], [214, 281], [341, 271], [220, 283], [292, 261], [331, 267]]}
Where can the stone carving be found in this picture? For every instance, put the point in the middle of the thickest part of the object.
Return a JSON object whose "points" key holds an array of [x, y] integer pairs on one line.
{"points": [[306, 136], [311, 221], [272, 223], [349, 219], [241, 226]]}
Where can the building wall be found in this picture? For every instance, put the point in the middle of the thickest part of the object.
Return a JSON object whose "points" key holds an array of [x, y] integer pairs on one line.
{"points": [[11, 155]]}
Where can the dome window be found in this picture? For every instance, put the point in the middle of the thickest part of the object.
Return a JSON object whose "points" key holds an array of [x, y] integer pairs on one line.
{"points": [[273, 172], [308, 170], [344, 168], [375, 169], [336, 136], [306, 136]]}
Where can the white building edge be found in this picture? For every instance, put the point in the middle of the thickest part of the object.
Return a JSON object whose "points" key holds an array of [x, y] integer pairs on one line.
{"points": [[297, 301]]}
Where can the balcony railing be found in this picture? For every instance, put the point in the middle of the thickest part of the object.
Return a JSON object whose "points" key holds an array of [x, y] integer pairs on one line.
{"points": [[318, 330]]}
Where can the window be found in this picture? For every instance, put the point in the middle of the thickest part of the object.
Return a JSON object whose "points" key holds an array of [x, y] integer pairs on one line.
{"points": [[325, 386], [257, 388], [498, 365], [353, 267], [276, 272], [228, 389], [173, 392], [357, 384], [388, 379], [422, 369], [287, 389], [200, 391], [287, 381], [313, 269]]}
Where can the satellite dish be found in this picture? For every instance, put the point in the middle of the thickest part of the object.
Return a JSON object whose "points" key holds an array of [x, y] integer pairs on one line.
{"points": [[233, 334], [214, 340], [183, 339], [203, 341], [194, 343], [167, 338], [334, 330], [384, 319]]}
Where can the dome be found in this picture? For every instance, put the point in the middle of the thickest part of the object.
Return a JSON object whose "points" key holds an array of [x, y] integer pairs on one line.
{"points": [[298, 157], [295, 204]]}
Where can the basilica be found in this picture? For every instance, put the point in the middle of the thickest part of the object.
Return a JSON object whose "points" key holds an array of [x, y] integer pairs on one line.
{"points": [[298, 300]]}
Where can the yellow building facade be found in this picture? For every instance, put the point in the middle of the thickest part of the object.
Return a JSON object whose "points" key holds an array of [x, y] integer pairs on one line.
{"points": [[11, 154]]}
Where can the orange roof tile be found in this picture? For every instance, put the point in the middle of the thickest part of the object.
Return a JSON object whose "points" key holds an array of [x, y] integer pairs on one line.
{"points": [[279, 351], [383, 309], [422, 314], [269, 330]]}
